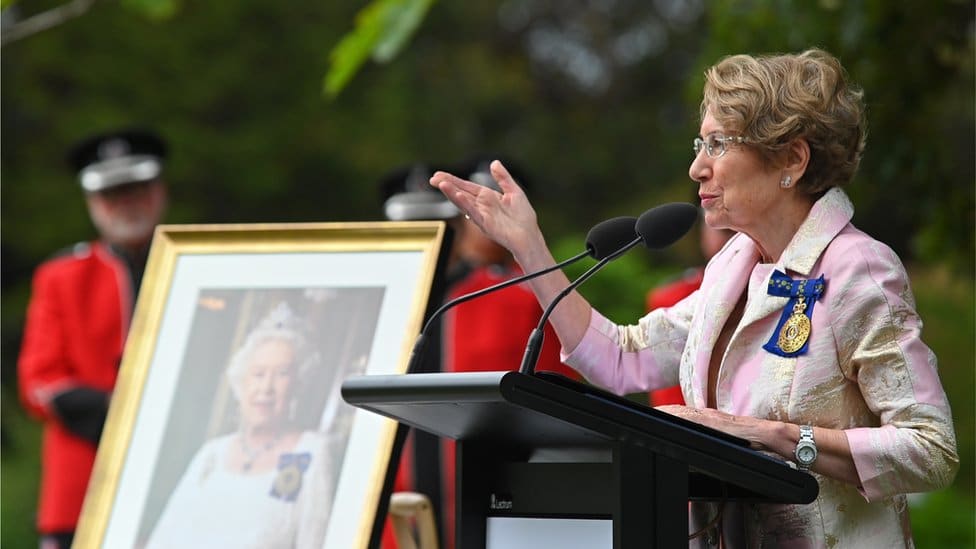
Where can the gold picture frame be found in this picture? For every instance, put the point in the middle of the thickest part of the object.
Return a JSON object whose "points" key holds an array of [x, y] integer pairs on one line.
{"points": [[356, 292]]}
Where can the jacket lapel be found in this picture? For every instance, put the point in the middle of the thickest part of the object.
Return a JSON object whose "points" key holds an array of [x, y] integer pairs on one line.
{"points": [[826, 219], [732, 268], [728, 273]]}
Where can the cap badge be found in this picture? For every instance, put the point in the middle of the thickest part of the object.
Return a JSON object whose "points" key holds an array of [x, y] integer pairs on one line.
{"points": [[113, 148]]}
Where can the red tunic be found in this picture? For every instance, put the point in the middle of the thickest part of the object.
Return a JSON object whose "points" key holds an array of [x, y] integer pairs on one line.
{"points": [[666, 296], [76, 324]]}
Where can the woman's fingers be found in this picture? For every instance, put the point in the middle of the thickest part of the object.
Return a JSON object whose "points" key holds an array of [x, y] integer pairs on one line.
{"points": [[503, 216], [693, 414], [503, 177], [462, 193], [743, 427], [440, 179]]}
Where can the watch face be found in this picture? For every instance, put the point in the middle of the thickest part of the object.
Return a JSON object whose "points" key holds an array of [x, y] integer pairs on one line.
{"points": [[806, 454]]}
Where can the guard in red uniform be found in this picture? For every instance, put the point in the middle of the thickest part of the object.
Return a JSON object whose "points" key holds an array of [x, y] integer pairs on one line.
{"points": [[78, 315]]}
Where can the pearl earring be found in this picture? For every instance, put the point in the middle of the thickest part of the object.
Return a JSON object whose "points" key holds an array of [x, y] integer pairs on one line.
{"points": [[786, 182]]}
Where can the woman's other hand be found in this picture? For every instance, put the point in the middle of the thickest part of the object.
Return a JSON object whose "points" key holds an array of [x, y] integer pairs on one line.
{"points": [[834, 457], [748, 428]]}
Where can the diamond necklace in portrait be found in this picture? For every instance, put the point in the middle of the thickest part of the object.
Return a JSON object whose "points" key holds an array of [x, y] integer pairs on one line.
{"points": [[252, 454]]}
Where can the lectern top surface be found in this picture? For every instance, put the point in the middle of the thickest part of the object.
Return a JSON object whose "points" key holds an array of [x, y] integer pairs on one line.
{"points": [[546, 411]]}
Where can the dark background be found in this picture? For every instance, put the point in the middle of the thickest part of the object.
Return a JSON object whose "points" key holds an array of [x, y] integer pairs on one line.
{"points": [[596, 100]]}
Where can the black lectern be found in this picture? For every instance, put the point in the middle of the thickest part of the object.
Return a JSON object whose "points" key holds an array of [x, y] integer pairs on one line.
{"points": [[545, 446]]}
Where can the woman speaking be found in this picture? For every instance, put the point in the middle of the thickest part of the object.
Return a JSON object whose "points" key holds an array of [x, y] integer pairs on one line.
{"points": [[803, 338]]}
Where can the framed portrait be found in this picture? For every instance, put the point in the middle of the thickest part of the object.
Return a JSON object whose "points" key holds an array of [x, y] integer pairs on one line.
{"points": [[226, 427]]}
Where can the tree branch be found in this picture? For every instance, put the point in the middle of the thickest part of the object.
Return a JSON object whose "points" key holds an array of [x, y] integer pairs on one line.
{"points": [[44, 20]]}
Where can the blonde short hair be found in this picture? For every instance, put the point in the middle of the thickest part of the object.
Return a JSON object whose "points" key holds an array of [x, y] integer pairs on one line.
{"points": [[772, 100]]}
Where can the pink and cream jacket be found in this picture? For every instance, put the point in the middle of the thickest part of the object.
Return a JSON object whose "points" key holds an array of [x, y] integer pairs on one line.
{"points": [[866, 371]]}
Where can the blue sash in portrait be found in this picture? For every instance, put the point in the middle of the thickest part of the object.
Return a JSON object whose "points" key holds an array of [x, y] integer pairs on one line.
{"points": [[288, 482]]}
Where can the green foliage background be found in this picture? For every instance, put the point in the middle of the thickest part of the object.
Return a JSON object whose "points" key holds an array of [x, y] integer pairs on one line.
{"points": [[237, 88]]}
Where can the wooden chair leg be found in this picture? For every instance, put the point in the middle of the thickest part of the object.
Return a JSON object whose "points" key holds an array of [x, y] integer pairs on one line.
{"points": [[412, 512]]}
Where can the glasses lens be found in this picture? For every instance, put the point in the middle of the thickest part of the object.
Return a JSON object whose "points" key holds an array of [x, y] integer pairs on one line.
{"points": [[697, 145], [715, 146]]}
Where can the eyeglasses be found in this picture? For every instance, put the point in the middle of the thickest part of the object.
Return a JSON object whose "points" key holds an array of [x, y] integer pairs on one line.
{"points": [[715, 144]]}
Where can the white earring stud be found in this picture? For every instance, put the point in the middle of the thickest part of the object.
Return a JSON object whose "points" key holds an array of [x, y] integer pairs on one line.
{"points": [[786, 182]]}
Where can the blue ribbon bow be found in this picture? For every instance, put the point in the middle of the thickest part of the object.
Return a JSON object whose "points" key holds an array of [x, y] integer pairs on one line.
{"points": [[299, 460], [784, 286]]}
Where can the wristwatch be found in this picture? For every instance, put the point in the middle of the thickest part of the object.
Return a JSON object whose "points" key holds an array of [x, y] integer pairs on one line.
{"points": [[806, 449]]}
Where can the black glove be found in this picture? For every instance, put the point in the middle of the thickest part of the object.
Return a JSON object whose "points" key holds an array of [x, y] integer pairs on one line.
{"points": [[82, 410]]}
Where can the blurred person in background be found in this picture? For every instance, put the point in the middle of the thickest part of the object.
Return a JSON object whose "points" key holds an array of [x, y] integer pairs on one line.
{"points": [[81, 304], [803, 338]]}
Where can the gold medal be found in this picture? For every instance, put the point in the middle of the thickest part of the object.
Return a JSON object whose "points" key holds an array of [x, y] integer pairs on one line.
{"points": [[796, 330], [288, 482], [792, 334]]}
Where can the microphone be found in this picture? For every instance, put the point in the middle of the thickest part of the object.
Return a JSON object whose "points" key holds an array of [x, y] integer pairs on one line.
{"points": [[605, 238], [663, 225], [657, 228]]}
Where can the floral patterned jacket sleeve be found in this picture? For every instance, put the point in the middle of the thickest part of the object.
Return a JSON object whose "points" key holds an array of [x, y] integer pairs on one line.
{"points": [[879, 347], [636, 358]]}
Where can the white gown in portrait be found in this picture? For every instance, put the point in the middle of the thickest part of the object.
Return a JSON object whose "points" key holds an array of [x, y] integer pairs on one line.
{"points": [[286, 507]]}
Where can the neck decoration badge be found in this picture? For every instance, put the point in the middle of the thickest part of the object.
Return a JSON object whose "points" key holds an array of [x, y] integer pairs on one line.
{"points": [[792, 334], [288, 482]]}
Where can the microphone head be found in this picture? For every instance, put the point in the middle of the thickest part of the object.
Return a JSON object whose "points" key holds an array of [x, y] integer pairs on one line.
{"points": [[607, 237], [663, 225]]}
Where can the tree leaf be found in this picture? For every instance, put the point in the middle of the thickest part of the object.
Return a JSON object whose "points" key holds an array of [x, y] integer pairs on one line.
{"points": [[382, 29], [402, 18]]}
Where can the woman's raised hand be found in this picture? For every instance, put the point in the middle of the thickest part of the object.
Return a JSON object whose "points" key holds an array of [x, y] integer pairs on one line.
{"points": [[506, 217]]}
